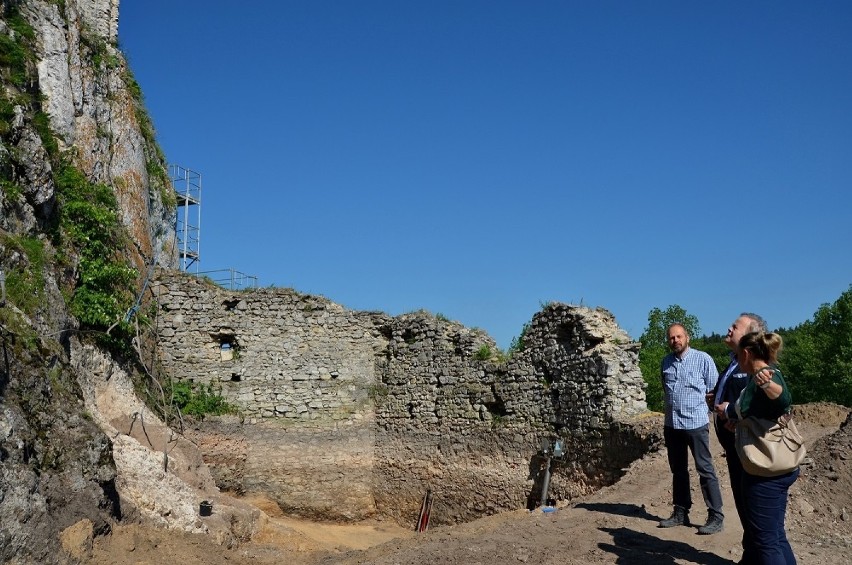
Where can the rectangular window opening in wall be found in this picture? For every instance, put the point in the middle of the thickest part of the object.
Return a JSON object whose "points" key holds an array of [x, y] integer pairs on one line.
{"points": [[226, 351], [235, 377], [229, 349]]}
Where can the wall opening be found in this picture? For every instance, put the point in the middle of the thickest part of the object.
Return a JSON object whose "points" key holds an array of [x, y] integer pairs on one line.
{"points": [[226, 341]]}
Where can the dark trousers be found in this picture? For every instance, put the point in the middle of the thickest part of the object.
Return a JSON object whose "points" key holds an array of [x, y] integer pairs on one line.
{"points": [[766, 505], [735, 471], [678, 445]]}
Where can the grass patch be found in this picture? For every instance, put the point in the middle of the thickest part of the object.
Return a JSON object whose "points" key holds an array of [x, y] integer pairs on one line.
{"points": [[158, 180], [41, 123], [378, 393], [16, 54], [484, 353], [7, 113], [25, 284], [11, 190]]}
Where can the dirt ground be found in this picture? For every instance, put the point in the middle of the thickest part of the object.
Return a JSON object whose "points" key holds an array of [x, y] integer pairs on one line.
{"points": [[615, 525]]}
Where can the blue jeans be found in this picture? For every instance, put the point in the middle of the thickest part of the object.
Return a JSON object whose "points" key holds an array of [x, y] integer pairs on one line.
{"points": [[735, 470], [766, 505], [678, 445]]}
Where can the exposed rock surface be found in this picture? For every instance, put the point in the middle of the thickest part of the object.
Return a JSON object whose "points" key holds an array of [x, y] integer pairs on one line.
{"points": [[160, 475], [88, 95], [66, 95], [56, 465]]}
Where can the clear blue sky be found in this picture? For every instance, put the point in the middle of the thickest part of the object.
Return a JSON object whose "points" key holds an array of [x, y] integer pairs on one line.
{"points": [[480, 158]]}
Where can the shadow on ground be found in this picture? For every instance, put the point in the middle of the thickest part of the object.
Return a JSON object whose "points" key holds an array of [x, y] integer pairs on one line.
{"points": [[628, 510], [637, 548]]}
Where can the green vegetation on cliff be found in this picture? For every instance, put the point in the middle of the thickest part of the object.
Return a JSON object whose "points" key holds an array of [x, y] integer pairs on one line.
{"points": [[90, 225]]}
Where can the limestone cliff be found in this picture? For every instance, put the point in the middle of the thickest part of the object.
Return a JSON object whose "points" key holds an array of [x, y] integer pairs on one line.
{"points": [[78, 80], [68, 106]]}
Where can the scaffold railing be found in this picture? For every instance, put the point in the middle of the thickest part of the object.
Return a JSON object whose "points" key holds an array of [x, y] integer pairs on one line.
{"points": [[230, 279]]}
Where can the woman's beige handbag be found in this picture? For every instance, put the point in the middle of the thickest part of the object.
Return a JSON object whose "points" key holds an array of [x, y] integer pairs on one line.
{"points": [[768, 448]]}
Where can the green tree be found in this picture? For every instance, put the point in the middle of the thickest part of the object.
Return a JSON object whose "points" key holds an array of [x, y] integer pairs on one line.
{"points": [[654, 342], [660, 320], [817, 355], [714, 345]]}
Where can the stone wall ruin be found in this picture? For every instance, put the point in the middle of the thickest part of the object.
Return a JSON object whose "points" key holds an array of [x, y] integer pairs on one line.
{"points": [[348, 414]]}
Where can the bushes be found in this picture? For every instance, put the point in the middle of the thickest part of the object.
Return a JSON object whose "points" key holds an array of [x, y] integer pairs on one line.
{"points": [[817, 355], [105, 282], [198, 399], [90, 225]]}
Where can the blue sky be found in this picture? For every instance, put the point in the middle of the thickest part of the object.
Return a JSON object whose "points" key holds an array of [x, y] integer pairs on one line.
{"points": [[480, 158]]}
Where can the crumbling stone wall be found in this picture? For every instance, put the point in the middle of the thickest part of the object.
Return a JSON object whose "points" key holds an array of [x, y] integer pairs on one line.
{"points": [[347, 414], [275, 353], [470, 429]]}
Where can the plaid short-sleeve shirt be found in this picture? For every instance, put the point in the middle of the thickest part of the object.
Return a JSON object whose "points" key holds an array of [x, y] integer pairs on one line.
{"points": [[686, 381]]}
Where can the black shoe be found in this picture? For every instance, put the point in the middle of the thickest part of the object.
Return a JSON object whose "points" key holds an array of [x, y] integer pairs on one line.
{"points": [[679, 517], [712, 526]]}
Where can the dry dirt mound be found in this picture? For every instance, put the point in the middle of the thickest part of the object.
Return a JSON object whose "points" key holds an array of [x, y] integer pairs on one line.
{"points": [[615, 525], [823, 495], [822, 414]]}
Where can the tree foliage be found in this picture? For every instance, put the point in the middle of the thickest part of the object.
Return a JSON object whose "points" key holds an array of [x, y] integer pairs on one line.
{"points": [[655, 334], [714, 345], [518, 344], [817, 356], [655, 347]]}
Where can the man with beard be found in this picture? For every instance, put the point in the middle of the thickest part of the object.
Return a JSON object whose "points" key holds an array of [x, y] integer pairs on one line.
{"points": [[688, 375]]}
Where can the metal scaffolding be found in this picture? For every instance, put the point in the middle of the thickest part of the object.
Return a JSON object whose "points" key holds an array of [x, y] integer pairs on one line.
{"points": [[187, 185]]}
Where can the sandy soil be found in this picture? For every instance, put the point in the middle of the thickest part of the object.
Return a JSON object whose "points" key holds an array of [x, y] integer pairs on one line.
{"points": [[615, 525]]}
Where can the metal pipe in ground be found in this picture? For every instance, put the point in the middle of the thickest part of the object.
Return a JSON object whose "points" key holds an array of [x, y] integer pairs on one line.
{"points": [[545, 484]]}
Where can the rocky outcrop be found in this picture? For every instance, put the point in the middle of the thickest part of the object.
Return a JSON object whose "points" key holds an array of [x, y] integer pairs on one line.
{"points": [[66, 96], [160, 475], [100, 16], [94, 110], [56, 465]]}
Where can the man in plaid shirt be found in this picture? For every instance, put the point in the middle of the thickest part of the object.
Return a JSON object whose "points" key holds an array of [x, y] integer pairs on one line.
{"points": [[688, 375]]}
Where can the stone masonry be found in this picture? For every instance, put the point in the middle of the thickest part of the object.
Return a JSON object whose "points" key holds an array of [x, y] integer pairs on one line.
{"points": [[347, 414]]}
